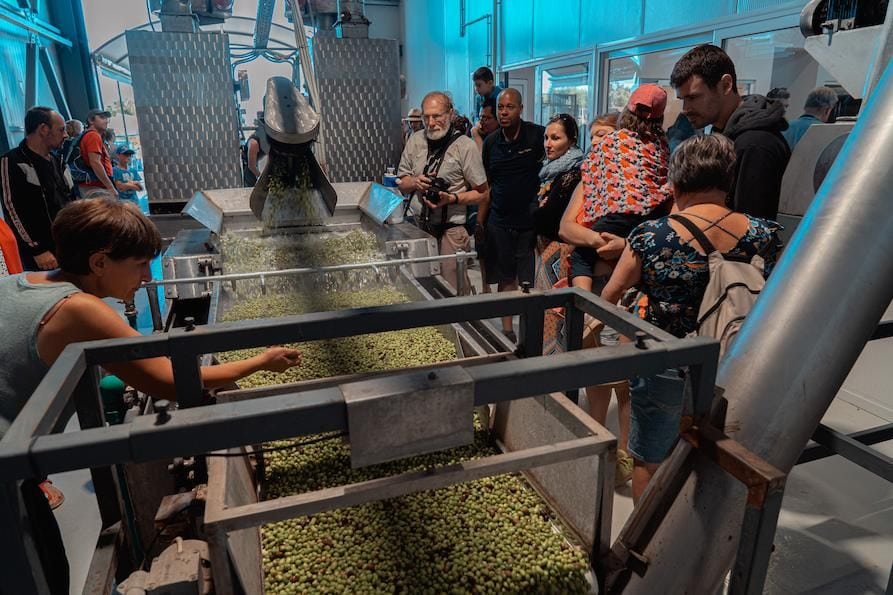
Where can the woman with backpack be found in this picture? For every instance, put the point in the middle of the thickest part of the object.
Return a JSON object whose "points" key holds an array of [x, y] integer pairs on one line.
{"points": [[665, 261]]}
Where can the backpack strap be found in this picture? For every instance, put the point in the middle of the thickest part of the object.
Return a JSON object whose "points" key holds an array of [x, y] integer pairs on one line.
{"points": [[696, 233]]}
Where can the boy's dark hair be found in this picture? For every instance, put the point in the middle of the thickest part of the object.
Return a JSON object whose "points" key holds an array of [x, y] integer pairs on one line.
{"points": [[482, 74], [36, 116], [703, 163], [708, 62], [116, 227]]}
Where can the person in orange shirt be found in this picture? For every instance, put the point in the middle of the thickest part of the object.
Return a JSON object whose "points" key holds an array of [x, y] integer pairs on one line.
{"points": [[95, 156], [10, 262]]}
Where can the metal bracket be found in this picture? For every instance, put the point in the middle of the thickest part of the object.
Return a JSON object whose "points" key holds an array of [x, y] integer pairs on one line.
{"points": [[395, 417]]}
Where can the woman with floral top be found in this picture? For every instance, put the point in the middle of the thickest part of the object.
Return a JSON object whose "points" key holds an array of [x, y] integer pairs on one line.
{"points": [[669, 267]]}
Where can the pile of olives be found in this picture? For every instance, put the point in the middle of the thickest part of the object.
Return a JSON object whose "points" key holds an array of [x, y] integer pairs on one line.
{"points": [[290, 193], [242, 254], [493, 535]]}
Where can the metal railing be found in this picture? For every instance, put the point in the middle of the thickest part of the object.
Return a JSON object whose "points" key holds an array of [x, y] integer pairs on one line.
{"points": [[31, 448]]}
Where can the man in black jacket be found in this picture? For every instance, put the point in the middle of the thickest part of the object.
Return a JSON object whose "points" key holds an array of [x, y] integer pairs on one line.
{"points": [[705, 81], [35, 185]]}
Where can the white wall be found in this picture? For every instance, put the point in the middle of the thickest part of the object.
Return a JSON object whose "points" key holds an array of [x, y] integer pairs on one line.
{"points": [[423, 49]]}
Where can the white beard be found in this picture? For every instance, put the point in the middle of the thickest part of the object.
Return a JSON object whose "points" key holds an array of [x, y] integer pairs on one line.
{"points": [[436, 134]]}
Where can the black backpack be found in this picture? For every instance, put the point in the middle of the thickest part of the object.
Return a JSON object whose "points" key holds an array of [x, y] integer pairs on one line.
{"points": [[81, 172]]}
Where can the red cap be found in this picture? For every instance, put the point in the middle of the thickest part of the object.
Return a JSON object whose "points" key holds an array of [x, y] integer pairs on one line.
{"points": [[648, 101]]}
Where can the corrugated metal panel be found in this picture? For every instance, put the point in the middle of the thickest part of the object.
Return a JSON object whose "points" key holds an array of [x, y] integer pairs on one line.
{"points": [[359, 84], [183, 91]]}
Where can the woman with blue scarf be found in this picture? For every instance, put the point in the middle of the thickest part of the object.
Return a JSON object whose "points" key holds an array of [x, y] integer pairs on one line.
{"points": [[558, 179]]}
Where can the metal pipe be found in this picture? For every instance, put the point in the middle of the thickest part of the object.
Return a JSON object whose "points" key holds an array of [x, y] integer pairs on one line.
{"points": [[307, 270], [794, 351], [154, 308], [882, 55], [309, 77]]}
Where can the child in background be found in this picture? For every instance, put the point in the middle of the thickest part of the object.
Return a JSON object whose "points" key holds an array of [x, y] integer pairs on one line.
{"points": [[126, 181]]}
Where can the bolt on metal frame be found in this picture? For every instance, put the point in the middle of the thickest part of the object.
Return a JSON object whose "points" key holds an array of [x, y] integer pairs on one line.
{"points": [[33, 447]]}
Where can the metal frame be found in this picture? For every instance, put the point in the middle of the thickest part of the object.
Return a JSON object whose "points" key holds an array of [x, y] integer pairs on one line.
{"points": [[31, 449], [856, 447], [765, 491], [764, 482]]}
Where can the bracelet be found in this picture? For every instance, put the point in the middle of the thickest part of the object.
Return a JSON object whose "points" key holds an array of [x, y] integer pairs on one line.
{"points": [[456, 196]]}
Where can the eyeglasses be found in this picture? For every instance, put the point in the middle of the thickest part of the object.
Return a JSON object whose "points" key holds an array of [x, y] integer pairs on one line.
{"points": [[436, 117]]}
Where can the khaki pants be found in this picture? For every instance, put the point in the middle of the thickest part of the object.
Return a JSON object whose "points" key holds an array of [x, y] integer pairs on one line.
{"points": [[453, 240]]}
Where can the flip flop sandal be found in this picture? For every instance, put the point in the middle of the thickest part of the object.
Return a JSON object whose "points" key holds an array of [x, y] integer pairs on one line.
{"points": [[54, 495]]}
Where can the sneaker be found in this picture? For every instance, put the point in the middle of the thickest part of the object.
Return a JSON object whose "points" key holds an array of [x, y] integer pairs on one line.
{"points": [[510, 335], [623, 469]]}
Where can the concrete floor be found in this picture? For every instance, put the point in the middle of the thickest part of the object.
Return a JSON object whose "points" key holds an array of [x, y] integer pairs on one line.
{"points": [[835, 532]]}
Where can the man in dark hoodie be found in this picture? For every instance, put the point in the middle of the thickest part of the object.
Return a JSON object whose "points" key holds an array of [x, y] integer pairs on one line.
{"points": [[705, 81]]}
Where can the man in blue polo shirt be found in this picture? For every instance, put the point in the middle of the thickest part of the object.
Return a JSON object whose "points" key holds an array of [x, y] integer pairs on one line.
{"points": [[512, 156]]}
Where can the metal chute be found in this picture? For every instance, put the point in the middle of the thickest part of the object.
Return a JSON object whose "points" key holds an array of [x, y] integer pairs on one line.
{"points": [[293, 190]]}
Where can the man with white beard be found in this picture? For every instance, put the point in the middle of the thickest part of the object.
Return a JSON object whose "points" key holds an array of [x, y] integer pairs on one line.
{"points": [[444, 170]]}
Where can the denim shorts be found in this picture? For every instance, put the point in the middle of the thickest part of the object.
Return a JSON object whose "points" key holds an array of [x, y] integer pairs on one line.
{"points": [[656, 410]]}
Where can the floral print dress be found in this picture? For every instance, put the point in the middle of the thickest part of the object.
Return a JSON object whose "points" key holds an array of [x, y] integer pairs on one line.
{"points": [[675, 275]]}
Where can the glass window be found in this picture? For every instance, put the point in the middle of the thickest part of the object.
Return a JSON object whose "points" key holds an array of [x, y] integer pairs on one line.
{"points": [[565, 89], [628, 72], [776, 60]]}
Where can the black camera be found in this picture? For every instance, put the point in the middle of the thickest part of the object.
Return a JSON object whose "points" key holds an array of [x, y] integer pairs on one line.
{"points": [[438, 185]]}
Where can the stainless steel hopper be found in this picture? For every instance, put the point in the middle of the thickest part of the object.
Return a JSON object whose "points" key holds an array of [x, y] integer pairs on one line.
{"points": [[293, 190]]}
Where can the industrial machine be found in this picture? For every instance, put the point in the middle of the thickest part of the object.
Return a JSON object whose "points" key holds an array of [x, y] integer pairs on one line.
{"points": [[293, 189], [851, 41]]}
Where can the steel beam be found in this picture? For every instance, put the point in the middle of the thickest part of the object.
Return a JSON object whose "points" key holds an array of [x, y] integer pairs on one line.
{"points": [[17, 548], [75, 66], [49, 70], [31, 74], [263, 21], [884, 330], [30, 22], [303, 412], [819, 451], [856, 451], [215, 427], [794, 351]]}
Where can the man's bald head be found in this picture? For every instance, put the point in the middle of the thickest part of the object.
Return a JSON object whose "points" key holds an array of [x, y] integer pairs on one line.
{"points": [[512, 94], [440, 98], [508, 109]]}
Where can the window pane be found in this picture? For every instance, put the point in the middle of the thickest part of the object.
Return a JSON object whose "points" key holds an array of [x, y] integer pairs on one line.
{"points": [[627, 73], [566, 90], [777, 60]]}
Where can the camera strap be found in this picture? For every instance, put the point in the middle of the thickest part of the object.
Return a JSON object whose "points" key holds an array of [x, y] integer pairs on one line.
{"points": [[436, 155]]}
